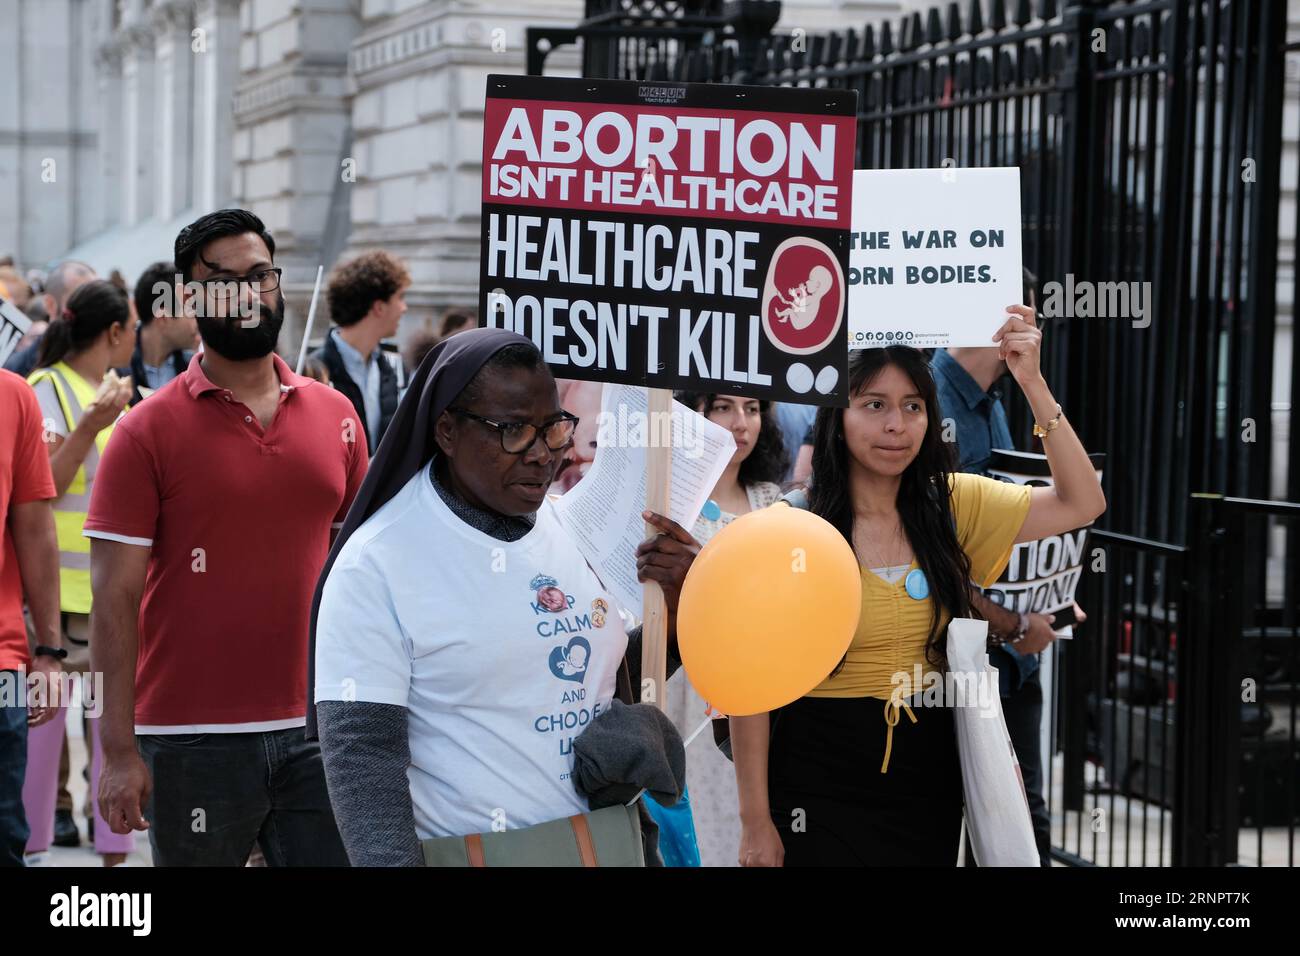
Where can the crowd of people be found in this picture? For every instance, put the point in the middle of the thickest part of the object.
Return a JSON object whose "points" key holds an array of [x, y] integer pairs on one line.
{"points": [[311, 603]]}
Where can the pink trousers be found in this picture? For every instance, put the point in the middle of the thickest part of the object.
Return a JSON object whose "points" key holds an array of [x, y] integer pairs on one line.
{"points": [[40, 787]]}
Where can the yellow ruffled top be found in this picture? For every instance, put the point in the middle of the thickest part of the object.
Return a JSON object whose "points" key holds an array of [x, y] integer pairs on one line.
{"points": [[893, 628]]}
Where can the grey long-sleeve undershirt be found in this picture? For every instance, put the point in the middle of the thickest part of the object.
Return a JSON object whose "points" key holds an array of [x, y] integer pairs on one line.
{"points": [[366, 748]]}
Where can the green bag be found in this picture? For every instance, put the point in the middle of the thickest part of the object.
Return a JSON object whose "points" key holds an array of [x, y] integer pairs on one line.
{"points": [[607, 837]]}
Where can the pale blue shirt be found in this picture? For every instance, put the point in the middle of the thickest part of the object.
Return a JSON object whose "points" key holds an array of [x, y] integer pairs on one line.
{"points": [[364, 372], [156, 376], [794, 421]]}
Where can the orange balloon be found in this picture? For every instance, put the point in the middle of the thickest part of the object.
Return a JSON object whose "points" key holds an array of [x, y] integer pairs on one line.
{"points": [[767, 610]]}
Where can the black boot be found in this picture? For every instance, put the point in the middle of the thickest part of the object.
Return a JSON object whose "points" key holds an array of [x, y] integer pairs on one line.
{"points": [[65, 829]]}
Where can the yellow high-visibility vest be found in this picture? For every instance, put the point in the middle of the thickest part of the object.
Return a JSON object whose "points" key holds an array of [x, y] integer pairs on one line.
{"points": [[74, 394]]}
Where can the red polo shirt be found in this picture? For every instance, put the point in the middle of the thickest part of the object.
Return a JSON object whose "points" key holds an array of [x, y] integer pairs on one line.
{"points": [[24, 477], [238, 521]]}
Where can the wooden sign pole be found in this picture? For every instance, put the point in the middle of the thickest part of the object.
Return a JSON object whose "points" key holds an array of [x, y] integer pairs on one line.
{"points": [[654, 627]]}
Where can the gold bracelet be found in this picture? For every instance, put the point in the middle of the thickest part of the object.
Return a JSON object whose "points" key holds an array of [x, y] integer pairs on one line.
{"points": [[1041, 431]]}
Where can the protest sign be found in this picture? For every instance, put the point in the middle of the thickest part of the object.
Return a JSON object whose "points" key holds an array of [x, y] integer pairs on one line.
{"points": [[934, 256], [671, 235], [13, 326], [1042, 576]]}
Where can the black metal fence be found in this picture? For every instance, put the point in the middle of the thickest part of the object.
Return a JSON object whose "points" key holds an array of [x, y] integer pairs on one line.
{"points": [[1149, 138], [1188, 680], [1112, 785]]}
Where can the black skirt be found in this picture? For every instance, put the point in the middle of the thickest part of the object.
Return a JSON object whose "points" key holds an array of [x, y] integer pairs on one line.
{"points": [[833, 806]]}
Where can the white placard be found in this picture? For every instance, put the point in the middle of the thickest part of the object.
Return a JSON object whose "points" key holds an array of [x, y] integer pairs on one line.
{"points": [[1041, 576], [934, 256]]}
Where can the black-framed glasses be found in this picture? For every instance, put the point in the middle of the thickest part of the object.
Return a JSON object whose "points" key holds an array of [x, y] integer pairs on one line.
{"points": [[263, 280], [518, 437]]}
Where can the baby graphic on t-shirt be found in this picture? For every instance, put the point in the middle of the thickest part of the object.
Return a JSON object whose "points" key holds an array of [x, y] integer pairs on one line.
{"points": [[575, 662]]}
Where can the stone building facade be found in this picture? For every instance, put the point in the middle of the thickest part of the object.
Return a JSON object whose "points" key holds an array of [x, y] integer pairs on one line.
{"points": [[346, 125]]}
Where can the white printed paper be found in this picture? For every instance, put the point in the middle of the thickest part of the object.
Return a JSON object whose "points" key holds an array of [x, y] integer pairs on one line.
{"points": [[603, 511]]}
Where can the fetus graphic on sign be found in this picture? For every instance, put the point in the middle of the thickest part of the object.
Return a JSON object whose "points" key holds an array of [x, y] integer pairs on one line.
{"points": [[804, 301], [803, 297]]}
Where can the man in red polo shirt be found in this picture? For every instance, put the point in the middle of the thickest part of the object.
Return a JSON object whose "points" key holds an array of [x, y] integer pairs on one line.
{"points": [[211, 517], [29, 555]]}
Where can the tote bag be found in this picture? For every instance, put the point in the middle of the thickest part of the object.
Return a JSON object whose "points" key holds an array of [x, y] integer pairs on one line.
{"points": [[997, 810]]}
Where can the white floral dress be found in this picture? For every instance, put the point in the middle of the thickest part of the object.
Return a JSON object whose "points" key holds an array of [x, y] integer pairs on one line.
{"points": [[711, 777]]}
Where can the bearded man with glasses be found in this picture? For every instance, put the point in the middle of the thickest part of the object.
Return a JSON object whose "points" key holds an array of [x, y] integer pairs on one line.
{"points": [[211, 516]]}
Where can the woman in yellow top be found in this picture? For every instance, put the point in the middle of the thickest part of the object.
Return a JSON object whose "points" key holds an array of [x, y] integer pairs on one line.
{"points": [[837, 778], [95, 333]]}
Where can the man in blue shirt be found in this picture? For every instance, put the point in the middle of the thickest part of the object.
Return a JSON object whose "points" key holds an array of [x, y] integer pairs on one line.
{"points": [[167, 340], [795, 421], [967, 382], [367, 298]]}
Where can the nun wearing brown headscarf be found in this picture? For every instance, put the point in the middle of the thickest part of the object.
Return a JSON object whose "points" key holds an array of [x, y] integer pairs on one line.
{"points": [[461, 643]]}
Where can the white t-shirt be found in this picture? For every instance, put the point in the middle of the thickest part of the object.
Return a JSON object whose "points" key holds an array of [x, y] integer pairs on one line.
{"points": [[502, 652]]}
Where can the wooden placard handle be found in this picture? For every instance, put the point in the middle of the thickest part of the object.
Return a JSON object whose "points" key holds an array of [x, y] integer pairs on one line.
{"points": [[654, 627]]}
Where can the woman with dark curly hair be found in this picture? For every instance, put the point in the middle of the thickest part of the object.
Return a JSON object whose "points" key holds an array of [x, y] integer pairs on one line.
{"points": [[749, 482], [752, 479]]}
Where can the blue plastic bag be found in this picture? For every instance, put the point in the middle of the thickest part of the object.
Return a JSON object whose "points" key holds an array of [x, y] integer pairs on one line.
{"points": [[677, 843]]}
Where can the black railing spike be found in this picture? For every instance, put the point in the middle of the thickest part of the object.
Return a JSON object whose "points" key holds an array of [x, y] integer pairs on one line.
{"points": [[916, 30], [933, 27], [886, 39], [954, 22], [1047, 9], [998, 15], [1142, 40], [869, 42], [975, 19], [818, 51], [1023, 14]]}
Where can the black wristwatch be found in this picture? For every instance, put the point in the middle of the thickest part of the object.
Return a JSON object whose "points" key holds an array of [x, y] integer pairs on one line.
{"points": [[44, 650]]}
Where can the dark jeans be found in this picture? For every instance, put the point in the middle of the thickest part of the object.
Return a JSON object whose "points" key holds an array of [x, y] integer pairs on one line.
{"points": [[1023, 710], [13, 767], [215, 795]]}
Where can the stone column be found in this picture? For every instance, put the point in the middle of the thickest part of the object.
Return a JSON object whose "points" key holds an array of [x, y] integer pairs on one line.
{"points": [[174, 66], [140, 149], [216, 71], [108, 63]]}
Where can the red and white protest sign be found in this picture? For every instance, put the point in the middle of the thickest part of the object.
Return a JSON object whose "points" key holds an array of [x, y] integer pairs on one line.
{"points": [[672, 235]]}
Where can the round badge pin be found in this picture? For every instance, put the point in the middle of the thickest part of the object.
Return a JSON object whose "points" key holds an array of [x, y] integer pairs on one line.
{"points": [[918, 588], [711, 511]]}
